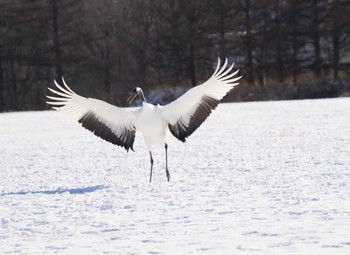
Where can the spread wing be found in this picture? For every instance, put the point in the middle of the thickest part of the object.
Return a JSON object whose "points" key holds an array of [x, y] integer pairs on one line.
{"points": [[109, 122], [188, 112]]}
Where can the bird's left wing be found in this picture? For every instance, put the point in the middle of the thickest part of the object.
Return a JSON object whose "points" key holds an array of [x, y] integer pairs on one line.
{"points": [[109, 122], [188, 112]]}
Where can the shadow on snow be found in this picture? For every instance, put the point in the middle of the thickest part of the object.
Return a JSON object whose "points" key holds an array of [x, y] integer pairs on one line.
{"points": [[58, 191]]}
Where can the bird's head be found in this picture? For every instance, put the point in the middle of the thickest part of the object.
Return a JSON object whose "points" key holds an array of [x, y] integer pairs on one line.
{"points": [[134, 93]]}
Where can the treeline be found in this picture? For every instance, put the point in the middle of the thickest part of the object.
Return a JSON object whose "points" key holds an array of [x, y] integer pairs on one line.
{"points": [[104, 48]]}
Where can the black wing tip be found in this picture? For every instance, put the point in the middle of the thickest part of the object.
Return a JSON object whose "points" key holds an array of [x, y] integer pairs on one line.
{"points": [[127, 149], [100, 129], [207, 105], [182, 138], [178, 133]]}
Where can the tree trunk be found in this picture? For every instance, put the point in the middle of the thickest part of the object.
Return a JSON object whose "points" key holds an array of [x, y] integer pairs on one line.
{"points": [[336, 46], [249, 50], [294, 15], [56, 41], [316, 40], [280, 70], [192, 66], [12, 84], [335, 40], [2, 88], [222, 42]]}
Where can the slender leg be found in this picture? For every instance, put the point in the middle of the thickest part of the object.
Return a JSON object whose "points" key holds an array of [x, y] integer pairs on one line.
{"points": [[150, 176], [166, 163]]}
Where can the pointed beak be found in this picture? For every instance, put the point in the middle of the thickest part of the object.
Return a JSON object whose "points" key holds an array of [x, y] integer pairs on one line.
{"points": [[131, 97]]}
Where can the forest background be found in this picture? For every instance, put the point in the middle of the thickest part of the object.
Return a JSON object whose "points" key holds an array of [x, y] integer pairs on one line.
{"points": [[285, 49]]}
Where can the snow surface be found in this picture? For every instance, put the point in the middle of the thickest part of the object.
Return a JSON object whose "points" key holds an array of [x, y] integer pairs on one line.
{"points": [[255, 178]]}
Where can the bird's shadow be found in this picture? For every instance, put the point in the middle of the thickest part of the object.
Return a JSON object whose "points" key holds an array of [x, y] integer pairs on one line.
{"points": [[73, 191]]}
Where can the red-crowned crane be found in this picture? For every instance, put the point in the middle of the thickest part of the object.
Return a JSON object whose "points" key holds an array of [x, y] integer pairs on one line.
{"points": [[118, 125]]}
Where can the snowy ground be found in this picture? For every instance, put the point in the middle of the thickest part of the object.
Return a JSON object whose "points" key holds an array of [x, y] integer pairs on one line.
{"points": [[256, 178]]}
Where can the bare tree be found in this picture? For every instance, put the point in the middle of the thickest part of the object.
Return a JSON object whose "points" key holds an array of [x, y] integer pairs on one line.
{"points": [[316, 37], [56, 39], [108, 47], [278, 38], [248, 40], [339, 31]]}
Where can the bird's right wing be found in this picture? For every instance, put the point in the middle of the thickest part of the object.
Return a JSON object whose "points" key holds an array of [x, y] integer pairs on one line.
{"points": [[188, 112], [109, 122]]}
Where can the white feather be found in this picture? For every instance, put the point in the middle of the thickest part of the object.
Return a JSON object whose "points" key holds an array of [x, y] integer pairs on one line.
{"points": [[152, 121], [114, 117], [217, 86]]}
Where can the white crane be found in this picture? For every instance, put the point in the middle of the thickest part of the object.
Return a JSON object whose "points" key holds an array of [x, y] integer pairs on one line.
{"points": [[118, 125]]}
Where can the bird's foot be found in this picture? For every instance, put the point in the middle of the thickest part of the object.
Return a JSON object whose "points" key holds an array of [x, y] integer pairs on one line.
{"points": [[167, 175]]}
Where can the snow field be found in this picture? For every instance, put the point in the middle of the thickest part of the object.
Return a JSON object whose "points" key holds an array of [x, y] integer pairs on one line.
{"points": [[255, 178]]}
